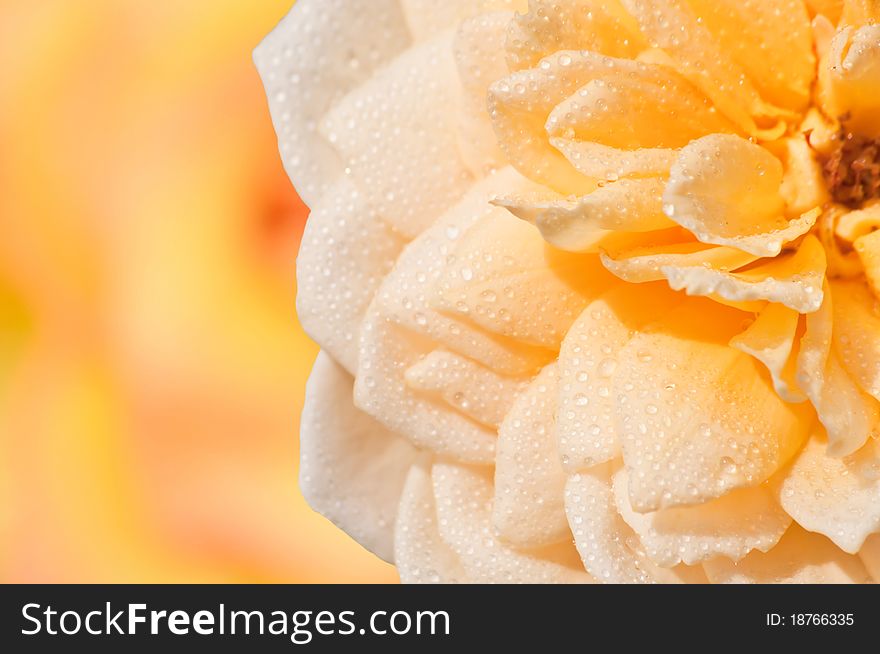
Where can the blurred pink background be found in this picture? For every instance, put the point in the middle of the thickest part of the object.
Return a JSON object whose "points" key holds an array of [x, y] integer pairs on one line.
{"points": [[151, 366]]}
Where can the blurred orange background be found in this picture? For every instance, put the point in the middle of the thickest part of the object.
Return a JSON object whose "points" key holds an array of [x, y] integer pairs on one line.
{"points": [[151, 366]]}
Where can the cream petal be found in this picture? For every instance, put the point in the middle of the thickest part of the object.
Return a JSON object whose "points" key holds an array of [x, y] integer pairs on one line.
{"points": [[793, 280], [352, 469], [608, 547], [344, 254], [799, 558], [651, 107], [400, 328], [870, 556], [836, 497], [503, 276], [427, 18], [463, 497], [770, 40], [479, 56], [398, 135], [528, 511], [322, 50], [572, 223], [771, 339], [853, 75], [637, 263], [464, 384], [731, 526], [726, 190], [672, 26], [608, 163], [857, 333], [521, 103], [815, 347], [549, 26], [722, 426], [420, 555], [585, 424]]}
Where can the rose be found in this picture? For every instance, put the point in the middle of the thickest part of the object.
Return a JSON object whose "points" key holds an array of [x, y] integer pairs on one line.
{"points": [[594, 282]]}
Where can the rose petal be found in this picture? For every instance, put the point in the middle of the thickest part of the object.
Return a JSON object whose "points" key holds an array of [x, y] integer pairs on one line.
{"points": [[398, 134], [572, 223], [803, 183], [770, 339], [476, 391], [799, 558], [637, 263], [528, 511], [868, 249], [870, 556], [853, 74], [770, 40], [427, 18], [521, 104], [585, 426], [839, 498], [608, 163], [549, 26], [672, 26], [400, 328], [857, 333], [721, 427], [831, 9], [793, 280], [732, 526], [859, 12], [322, 50], [609, 549], [479, 56], [464, 508], [503, 277], [726, 191], [420, 554], [345, 253], [352, 469]]}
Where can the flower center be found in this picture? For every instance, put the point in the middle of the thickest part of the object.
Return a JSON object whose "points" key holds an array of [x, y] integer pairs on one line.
{"points": [[852, 168]]}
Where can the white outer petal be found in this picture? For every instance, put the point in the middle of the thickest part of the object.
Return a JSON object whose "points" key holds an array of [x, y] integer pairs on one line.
{"points": [[352, 469]]}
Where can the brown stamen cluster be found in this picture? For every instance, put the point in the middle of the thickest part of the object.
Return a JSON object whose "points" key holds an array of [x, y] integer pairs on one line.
{"points": [[852, 169]]}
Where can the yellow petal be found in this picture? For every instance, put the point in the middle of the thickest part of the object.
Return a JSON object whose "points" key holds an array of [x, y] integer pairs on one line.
{"points": [[346, 251], [815, 347], [803, 183], [852, 75], [608, 547], [799, 558], [859, 12], [528, 511], [770, 339], [463, 497], [673, 27], [549, 26], [839, 498], [305, 81], [794, 280], [857, 333], [398, 135], [651, 106], [572, 223], [352, 469], [831, 9], [868, 249], [697, 418], [726, 190], [870, 556], [770, 39], [503, 277], [476, 391], [732, 526], [585, 425], [647, 263], [420, 555]]}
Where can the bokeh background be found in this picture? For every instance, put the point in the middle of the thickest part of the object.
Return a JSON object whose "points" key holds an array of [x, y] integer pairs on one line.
{"points": [[151, 366]]}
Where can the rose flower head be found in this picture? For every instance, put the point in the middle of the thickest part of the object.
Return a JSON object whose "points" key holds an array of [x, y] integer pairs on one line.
{"points": [[596, 284]]}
